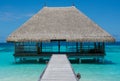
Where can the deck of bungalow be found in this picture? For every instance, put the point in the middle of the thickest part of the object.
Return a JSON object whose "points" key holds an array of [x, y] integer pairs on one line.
{"points": [[25, 50]]}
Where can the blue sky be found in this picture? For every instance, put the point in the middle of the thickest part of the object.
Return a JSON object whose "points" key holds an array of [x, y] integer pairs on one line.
{"points": [[13, 13]]}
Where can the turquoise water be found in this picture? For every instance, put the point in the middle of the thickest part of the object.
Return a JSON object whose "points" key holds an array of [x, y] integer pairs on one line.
{"points": [[9, 71], [110, 71]]}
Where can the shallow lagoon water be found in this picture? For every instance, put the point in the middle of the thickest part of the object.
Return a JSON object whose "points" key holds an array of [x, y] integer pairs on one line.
{"points": [[9, 71], [109, 71]]}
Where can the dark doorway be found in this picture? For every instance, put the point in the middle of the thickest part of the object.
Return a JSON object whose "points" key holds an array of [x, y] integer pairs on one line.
{"points": [[61, 45]]}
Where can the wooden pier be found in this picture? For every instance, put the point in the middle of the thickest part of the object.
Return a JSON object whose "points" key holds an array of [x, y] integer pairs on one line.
{"points": [[58, 69]]}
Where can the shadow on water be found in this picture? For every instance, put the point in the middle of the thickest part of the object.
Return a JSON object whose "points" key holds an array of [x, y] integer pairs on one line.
{"points": [[90, 61], [108, 62], [32, 62], [45, 61]]}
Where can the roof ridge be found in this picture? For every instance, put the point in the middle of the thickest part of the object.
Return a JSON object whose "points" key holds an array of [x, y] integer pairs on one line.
{"points": [[59, 7]]}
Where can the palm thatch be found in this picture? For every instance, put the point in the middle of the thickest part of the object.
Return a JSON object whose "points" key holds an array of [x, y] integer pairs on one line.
{"points": [[56, 23]]}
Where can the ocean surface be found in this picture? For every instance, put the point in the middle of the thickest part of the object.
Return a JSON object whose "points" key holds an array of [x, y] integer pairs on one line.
{"points": [[109, 71]]}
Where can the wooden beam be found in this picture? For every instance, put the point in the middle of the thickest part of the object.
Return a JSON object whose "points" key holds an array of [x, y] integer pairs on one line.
{"points": [[40, 47], [81, 47], [77, 47], [95, 47], [15, 48], [103, 47]]}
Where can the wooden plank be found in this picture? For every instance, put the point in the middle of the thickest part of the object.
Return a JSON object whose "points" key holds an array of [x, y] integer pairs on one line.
{"points": [[58, 69]]}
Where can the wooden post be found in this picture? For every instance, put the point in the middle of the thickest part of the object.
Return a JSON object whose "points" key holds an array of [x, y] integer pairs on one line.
{"points": [[18, 47], [103, 60], [77, 47], [15, 48], [79, 60], [95, 47], [40, 47], [15, 59], [21, 47], [103, 47], [81, 47], [99, 46], [67, 47], [59, 46]]}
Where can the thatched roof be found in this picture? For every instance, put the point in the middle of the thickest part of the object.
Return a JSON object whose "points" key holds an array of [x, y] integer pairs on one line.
{"points": [[60, 23]]}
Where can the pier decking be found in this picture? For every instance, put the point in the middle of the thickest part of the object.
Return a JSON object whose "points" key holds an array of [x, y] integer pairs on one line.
{"points": [[58, 69]]}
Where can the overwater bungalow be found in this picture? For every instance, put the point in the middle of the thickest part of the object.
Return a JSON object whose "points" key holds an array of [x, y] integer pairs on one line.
{"points": [[60, 30]]}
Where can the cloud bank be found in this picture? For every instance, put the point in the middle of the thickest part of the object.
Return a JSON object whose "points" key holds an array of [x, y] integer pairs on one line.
{"points": [[10, 16]]}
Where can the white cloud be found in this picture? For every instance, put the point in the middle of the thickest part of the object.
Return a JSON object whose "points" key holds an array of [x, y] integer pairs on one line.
{"points": [[116, 36], [29, 14], [10, 16]]}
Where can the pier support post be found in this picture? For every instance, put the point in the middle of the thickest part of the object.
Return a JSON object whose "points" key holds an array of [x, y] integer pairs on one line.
{"points": [[38, 60], [20, 59], [79, 60], [102, 60], [99, 60], [15, 59]]}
